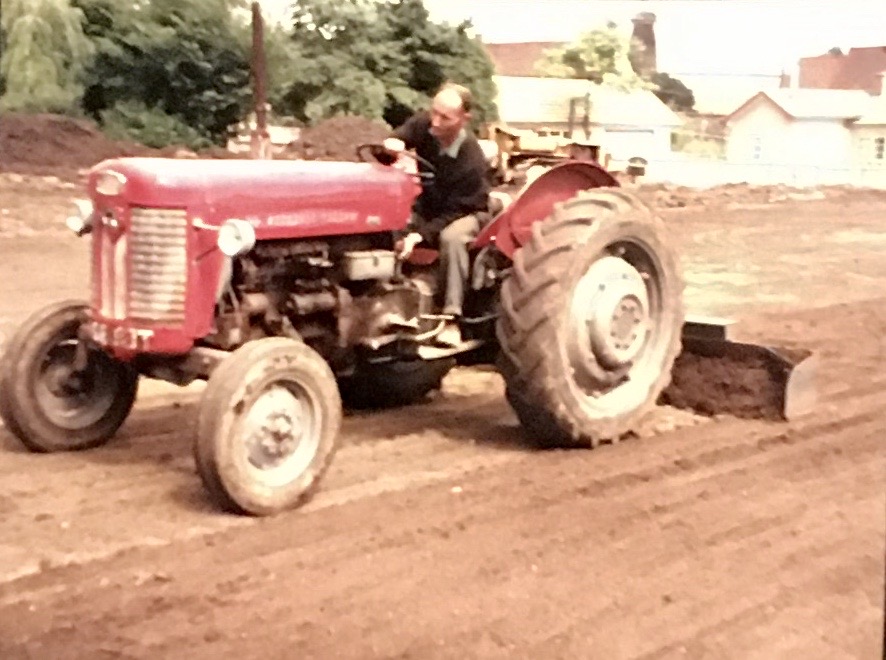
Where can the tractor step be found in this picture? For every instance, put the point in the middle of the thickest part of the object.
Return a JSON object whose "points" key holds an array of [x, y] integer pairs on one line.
{"points": [[428, 352]]}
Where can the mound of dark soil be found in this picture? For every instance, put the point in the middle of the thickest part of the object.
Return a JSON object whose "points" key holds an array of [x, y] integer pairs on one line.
{"points": [[53, 144], [337, 138]]}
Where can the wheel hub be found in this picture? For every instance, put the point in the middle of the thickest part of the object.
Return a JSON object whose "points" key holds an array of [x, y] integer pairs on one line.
{"points": [[276, 428], [617, 311]]}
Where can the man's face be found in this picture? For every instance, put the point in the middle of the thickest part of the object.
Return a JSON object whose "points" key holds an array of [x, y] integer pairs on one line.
{"points": [[447, 117]]}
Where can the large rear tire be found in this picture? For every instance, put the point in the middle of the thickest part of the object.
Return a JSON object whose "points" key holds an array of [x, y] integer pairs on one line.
{"points": [[47, 403], [590, 321], [268, 427]]}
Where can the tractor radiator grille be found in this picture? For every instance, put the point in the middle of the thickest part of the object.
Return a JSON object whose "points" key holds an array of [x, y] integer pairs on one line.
{"points": [[158, 267]]}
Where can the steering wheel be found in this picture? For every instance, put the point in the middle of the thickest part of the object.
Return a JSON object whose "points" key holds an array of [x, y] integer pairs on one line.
{"points": [[378, 153]]}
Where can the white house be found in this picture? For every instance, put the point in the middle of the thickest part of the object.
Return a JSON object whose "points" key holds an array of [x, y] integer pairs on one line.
{"points": [[869, 147], [805, 136], [624, 124]]}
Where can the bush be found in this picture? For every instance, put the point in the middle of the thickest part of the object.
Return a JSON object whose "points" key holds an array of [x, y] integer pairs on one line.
{"points": [[134, 121]]}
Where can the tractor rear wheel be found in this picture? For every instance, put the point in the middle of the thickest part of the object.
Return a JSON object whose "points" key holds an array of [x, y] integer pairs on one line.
{"points": [[591, 318], [49, 401], [268, 426]]}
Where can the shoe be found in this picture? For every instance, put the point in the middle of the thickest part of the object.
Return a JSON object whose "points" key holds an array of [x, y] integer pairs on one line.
{"points": [[451, 334]]}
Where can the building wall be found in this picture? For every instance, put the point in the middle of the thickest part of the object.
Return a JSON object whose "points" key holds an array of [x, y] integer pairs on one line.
{"points": [[757, 135], [766, 136], [652, 143], [869, 155]]}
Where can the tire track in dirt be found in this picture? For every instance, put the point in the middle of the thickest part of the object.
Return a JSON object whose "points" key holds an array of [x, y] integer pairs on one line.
{"points": [[139, 472], [544, 537], [500, 508]]}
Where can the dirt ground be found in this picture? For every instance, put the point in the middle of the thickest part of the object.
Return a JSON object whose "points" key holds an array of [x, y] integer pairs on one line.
{"points": [[438, 534]]}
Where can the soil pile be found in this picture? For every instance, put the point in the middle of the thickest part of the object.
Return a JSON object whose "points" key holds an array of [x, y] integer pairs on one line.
{"points": [[725, 385], [53, 144], [337, 138]]}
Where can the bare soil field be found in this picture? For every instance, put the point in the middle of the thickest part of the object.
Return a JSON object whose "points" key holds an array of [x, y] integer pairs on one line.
{"points": [[439, 534]]}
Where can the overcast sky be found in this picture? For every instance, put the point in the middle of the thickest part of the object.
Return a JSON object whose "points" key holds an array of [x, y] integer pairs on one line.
{"points": [[693, 36]]}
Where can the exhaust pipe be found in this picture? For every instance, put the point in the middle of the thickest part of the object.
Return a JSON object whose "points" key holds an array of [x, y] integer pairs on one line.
{"points": [[714, 375]]}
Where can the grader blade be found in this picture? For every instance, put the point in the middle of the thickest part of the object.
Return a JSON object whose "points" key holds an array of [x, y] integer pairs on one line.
{"points": [[714, 375]]}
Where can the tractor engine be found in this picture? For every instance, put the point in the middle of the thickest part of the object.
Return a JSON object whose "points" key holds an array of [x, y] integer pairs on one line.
{"points": [[339, 295]]}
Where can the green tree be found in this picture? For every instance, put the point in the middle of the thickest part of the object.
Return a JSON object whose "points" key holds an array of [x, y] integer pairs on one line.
{"points": [[379, 60], [186, 59], [600, 55], [672, 92], [44, 55]]}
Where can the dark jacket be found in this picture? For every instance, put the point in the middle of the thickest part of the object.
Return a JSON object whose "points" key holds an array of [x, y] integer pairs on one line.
{"points": [[459, 186]]}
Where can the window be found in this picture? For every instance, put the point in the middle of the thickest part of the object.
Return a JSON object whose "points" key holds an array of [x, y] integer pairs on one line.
{"points": [[879, 148], [757, 147]]}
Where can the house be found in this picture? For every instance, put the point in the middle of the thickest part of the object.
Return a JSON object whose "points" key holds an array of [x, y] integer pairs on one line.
{"points": [[869, 147], [624, 124], [859, 69], [809, 136]]}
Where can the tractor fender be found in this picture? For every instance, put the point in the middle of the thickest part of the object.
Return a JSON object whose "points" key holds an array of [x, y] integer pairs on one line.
{"points": [[535, 201]]}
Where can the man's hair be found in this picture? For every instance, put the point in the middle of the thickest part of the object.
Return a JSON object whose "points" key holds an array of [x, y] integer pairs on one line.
{"points": [[467, 99]]}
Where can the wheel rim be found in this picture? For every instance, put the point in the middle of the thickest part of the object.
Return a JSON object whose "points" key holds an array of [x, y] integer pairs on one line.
{"points": [[617, 335], [72, 399], [281, 432]]}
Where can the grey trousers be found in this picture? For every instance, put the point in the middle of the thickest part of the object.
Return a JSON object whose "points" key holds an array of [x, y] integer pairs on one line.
{"points": [[455, 263]]}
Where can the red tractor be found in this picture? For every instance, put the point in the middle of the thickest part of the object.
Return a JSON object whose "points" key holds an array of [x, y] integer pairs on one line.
{"points": [[279, 283]]}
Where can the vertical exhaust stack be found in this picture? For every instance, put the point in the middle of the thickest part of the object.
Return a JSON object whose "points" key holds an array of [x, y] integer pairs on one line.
{"points": [[260, 143], [642, 54]]}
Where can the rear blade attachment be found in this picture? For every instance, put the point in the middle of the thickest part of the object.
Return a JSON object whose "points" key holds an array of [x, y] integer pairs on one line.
{"points": [[714, 375]]}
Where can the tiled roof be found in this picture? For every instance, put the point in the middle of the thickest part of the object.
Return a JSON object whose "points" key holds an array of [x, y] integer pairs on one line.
{"points": [[860, 68], [519, 59]]}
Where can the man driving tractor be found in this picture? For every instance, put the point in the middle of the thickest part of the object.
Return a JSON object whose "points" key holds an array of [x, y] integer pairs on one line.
{"points": [[453, 205]]}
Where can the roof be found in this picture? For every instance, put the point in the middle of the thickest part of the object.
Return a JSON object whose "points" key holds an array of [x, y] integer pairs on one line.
{"points": [[812, 103], [721, 93], [524, 99], [860, 69], [519, 59]]}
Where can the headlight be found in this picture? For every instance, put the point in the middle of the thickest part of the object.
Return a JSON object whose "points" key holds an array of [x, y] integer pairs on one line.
{"points": [[236, 237], [81, 221]]}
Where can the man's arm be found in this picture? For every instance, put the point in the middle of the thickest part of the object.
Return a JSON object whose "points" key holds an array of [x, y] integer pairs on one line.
{"points": [[410, 132], [470, 195]]}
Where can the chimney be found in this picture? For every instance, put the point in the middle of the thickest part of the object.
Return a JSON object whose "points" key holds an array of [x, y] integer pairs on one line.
{"points": [[784, 80], [642, 54]]}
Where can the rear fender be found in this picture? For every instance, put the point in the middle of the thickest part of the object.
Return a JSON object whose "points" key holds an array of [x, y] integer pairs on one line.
{"points": [[536, 200]]}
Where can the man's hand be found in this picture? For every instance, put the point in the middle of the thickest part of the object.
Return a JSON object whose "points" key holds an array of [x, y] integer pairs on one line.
{"points": [[395, 145], [407, 244]]}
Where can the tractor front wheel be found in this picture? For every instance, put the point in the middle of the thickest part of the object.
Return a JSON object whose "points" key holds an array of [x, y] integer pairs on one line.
{"points": [[268, 426], [48, 399], [591, 318]]}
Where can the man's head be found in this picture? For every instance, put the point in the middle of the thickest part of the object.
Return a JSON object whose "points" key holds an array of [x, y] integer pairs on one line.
{"points": [[450, 112]]}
